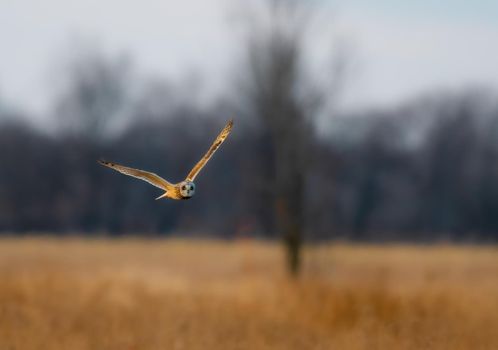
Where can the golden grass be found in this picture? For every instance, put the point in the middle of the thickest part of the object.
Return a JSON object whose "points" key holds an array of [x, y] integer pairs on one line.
{"points": [[153, 294]]}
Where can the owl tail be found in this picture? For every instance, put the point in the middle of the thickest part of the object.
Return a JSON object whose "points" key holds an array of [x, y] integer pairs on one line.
{"points": [[162, 196]]}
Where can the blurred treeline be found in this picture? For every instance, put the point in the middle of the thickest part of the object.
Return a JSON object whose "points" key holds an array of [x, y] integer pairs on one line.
{"points": [[426, 170]]}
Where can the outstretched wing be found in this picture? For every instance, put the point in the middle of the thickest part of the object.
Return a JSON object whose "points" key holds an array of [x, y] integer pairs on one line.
{"points": [[151, 178], [216, 144]]}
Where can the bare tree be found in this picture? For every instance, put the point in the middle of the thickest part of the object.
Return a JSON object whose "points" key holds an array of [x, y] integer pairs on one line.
{"points": [[278, 93], [94, 91]]}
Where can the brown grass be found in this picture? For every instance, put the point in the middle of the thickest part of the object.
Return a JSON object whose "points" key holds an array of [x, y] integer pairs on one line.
{"points": [[137, 294]]}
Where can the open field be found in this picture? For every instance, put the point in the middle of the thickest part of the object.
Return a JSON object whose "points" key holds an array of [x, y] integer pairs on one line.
{"points": [[152, 294]]}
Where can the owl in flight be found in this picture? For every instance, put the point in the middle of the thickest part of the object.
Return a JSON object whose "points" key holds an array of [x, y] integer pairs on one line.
{"points": [[181, 190]]}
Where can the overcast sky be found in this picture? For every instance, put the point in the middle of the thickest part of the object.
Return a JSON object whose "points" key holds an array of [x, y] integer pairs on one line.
{"points": [[400, 49]]}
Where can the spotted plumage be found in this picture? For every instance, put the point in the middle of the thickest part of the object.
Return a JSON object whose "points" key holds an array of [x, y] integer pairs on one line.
{"points": [[184, 189]]}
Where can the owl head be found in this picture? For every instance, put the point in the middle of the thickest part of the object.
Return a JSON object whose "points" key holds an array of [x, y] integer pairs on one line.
{"points": [[187, 189]]}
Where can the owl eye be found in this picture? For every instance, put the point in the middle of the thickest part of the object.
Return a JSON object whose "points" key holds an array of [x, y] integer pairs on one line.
{"points": [[184, 187]]}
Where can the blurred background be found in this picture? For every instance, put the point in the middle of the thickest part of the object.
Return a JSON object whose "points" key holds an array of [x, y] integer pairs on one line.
{"points": [[353, 120], [365, 140]]}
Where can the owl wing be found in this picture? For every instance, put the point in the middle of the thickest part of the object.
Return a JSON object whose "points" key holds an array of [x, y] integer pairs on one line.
{"points": [[151, 178], [216, 144]]}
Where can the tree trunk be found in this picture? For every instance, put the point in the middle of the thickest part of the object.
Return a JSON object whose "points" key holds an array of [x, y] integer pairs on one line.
{"points": [[289, 211]]}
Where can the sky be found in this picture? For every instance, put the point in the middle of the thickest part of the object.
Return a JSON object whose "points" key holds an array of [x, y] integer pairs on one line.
{"points": [[398, 50]]}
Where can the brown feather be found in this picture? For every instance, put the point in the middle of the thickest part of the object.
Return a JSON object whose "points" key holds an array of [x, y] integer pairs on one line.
{"points": [[216, 144], [151, 178]]}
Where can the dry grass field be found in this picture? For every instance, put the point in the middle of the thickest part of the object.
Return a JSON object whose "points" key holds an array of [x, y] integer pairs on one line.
{"points": [[173, 294]]}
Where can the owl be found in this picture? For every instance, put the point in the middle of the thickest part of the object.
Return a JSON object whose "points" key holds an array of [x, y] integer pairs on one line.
{"points": [[184, 189]]}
